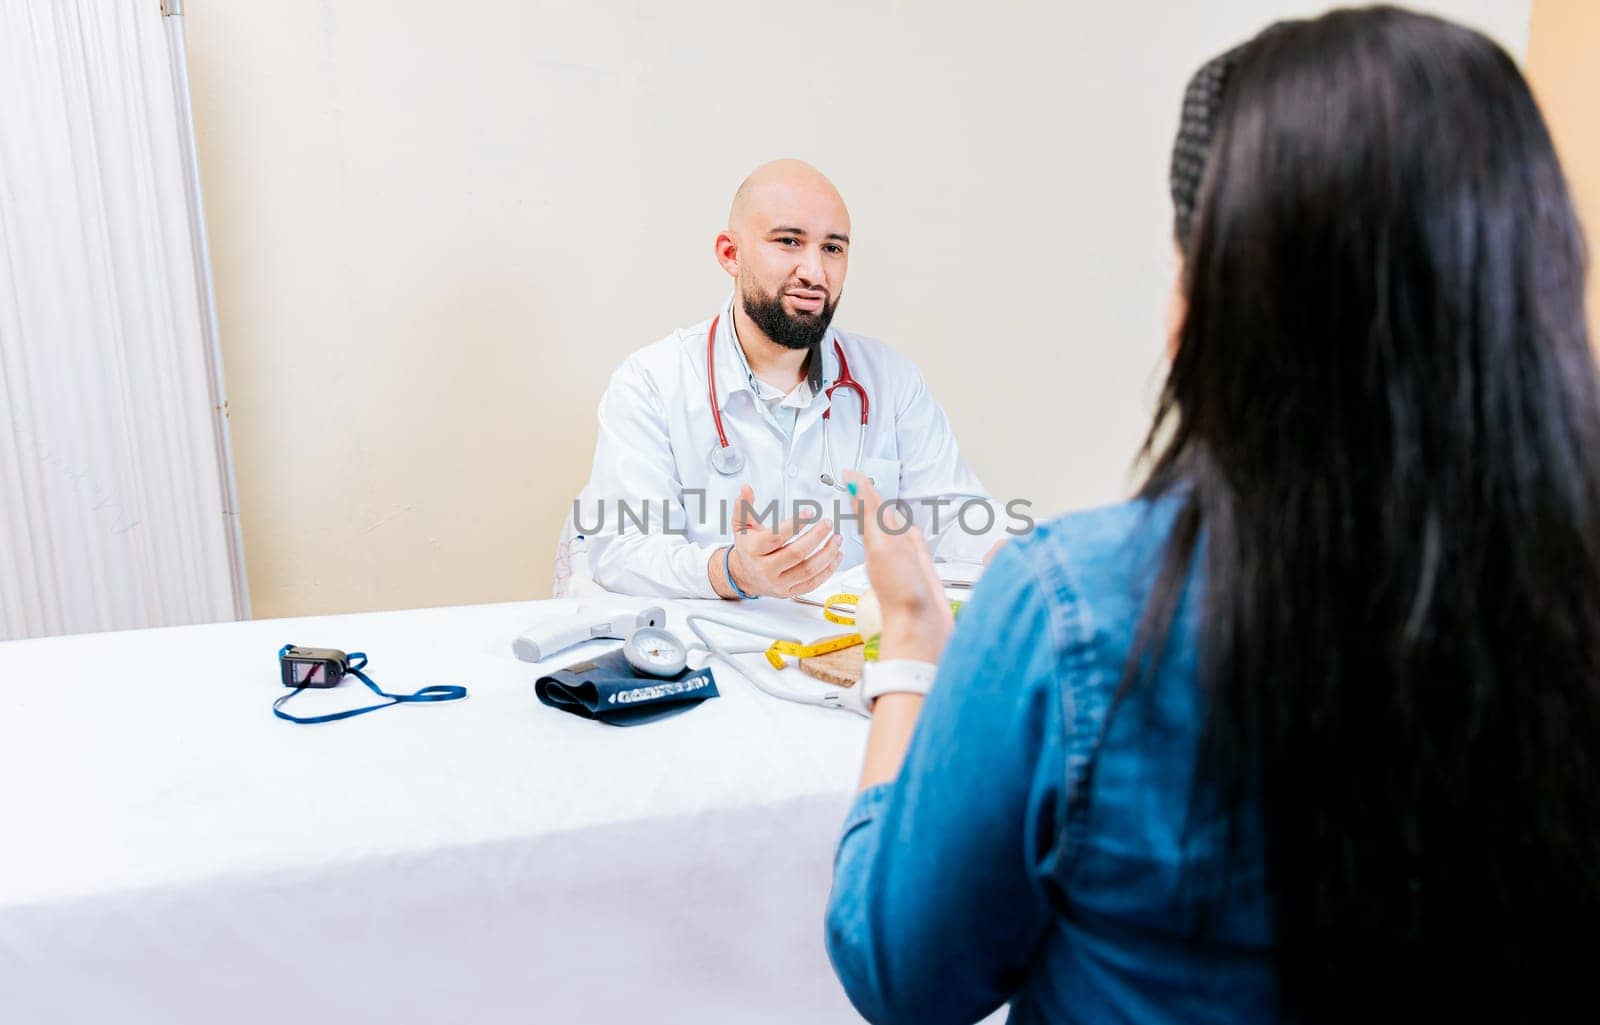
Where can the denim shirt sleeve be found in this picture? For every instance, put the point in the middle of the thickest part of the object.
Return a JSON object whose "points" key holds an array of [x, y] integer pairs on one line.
{"points": [[937, 908]]}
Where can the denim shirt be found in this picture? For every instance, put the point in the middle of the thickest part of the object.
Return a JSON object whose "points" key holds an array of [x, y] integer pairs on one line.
{"points": [[1038, 846]]}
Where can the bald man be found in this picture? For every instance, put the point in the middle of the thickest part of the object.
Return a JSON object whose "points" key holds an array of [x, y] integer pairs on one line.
{"points": [[718, 471]]}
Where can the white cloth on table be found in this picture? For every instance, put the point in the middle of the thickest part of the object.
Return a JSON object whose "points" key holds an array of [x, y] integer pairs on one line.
{"points": [[174, 853]]}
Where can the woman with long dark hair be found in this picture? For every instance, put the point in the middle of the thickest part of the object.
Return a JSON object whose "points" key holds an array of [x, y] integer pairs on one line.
{"points": [[1309, 730]]}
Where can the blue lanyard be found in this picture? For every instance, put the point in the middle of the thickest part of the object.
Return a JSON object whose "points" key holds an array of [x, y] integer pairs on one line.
{"points": [[435, 692]]}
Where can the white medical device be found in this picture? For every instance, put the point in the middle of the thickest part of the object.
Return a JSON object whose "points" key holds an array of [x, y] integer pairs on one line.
{"points": [[655, 651], [590, 622]]}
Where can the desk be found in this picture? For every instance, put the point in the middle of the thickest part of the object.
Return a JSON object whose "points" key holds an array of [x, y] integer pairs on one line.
{"points": [[174, 853]]}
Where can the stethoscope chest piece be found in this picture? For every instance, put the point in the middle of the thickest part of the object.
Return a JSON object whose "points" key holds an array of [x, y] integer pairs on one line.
{"points": [[655, 651], [726, 460]]}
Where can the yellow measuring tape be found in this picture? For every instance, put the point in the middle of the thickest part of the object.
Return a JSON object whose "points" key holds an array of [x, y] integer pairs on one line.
{"points": [[795, 650], [842, 618], [833, 612]]}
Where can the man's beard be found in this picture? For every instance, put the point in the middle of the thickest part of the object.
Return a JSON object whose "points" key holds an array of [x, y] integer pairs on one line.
{"points": [[792, 331]]}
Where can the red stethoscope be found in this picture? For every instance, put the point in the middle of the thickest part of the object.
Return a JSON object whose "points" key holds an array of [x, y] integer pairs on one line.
{"points": [[726, 460]]}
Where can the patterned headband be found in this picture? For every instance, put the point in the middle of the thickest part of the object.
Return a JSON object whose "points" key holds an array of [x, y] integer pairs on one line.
{"points": [[1202, 103]]}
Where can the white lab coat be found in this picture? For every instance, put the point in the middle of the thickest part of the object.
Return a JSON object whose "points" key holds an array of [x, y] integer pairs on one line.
{"points": [[656, 435]]}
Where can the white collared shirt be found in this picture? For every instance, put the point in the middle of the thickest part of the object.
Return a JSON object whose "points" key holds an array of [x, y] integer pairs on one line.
{"points": [[655, 509], [785, 407]]}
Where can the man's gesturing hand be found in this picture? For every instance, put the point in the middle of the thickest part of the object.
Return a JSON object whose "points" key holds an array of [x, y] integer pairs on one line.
{"points": [[765, 563]]}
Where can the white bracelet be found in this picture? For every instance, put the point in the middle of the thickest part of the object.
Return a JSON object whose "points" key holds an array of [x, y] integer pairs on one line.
{"points": [[896, 676]]}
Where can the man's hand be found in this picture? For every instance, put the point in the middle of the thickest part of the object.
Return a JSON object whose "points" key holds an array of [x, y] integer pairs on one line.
{"points": [[916, 615], [763, 563]]}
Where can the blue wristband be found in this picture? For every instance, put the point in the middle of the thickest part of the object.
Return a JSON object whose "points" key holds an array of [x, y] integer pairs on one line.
{"points": [[727, 571]]}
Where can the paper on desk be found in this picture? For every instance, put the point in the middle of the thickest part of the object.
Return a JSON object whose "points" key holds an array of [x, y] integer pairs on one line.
{"points": [[958, 578], [849, 581], [960, 574]]}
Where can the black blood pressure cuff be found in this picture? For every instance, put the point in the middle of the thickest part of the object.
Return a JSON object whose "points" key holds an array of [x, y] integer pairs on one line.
{"points": [[610, 690]]}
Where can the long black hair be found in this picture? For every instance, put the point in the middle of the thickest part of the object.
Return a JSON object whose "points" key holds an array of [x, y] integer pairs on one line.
{"points": [[1382, 432]]}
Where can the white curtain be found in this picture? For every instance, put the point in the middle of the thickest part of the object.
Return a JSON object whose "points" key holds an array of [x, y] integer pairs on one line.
{"points": [[116, 505]]}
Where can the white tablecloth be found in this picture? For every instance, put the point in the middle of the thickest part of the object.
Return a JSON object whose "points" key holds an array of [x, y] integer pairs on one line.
{"points": [[171, 852]]}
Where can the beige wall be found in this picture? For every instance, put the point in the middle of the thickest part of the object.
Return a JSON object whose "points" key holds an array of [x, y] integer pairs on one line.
{"points": [[437, 228], [1564, 67]]}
